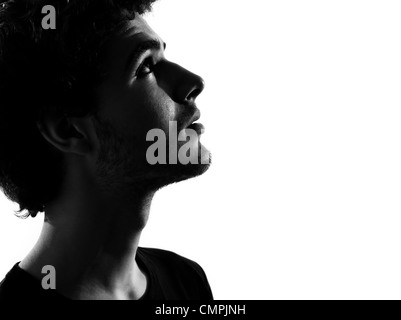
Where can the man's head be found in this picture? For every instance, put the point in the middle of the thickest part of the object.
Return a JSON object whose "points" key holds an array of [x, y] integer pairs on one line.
{"points": [[87, 92]]}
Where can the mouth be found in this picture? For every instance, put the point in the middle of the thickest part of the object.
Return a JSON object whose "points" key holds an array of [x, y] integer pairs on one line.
{"points": [[195, 116], [198, 127]]}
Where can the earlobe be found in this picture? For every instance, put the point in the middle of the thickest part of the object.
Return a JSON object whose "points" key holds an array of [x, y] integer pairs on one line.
{"points": [[67, 134]]}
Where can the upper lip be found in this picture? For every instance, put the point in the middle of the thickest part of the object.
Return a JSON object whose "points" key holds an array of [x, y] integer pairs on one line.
{"points": [[195, 117]]}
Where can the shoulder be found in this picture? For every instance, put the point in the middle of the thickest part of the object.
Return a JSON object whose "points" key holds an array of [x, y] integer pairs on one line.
{"points": [[12, 286], [20, 285], [168, 258], [172, 269]]}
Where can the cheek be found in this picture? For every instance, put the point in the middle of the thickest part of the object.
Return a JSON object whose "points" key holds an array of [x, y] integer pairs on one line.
{"points": [[153, 109], [138, 110], [134, 111]]}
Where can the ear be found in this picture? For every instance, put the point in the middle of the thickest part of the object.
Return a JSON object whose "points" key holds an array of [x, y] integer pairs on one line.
{"points": [[69, 134]]}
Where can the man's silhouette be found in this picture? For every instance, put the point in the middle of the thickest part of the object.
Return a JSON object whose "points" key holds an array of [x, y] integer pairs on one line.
{"points": [[76, 104]]}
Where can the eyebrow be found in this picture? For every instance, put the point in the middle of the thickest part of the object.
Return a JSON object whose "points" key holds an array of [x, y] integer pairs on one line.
{"points": [[151, 44]]}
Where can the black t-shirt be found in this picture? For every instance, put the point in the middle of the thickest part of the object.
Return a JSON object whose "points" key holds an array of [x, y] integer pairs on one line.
{"points": [[170, 277]]}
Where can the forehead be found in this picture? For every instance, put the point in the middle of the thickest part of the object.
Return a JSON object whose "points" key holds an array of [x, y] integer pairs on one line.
{"points": [[136, 31]]}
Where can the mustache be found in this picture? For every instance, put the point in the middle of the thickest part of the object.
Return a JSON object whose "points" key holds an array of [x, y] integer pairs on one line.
{"points": [[188, 115]]}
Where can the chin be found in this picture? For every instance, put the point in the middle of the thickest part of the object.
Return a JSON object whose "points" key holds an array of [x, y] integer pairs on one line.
{"points": [[147, 177], [183, 172], [166, 174]]}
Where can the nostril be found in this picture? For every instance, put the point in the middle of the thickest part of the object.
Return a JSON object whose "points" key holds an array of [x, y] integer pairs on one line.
{"points": [[194, 93]]}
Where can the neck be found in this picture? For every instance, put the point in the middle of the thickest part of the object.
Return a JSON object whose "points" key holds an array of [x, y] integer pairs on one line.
{"points": [[91, 240]]}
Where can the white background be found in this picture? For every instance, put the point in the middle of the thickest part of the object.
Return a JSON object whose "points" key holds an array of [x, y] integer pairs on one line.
{"points": [[302, 110]]}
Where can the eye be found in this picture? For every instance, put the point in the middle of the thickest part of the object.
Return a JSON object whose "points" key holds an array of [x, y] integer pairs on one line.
{"points": [[145, 68]]}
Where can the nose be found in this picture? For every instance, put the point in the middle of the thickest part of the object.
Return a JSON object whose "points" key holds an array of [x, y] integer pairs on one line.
{"points": [[180, 84], [193, 89]]}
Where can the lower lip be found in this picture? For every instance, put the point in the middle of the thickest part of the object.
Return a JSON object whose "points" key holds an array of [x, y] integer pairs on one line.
{"points": [[198, 127]]}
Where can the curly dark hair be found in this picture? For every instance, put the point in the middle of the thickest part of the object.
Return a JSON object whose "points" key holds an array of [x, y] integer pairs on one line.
{"points": [[49, 71]]}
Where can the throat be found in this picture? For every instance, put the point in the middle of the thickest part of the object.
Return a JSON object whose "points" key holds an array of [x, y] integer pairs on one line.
{"points": [[107, 281]]}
